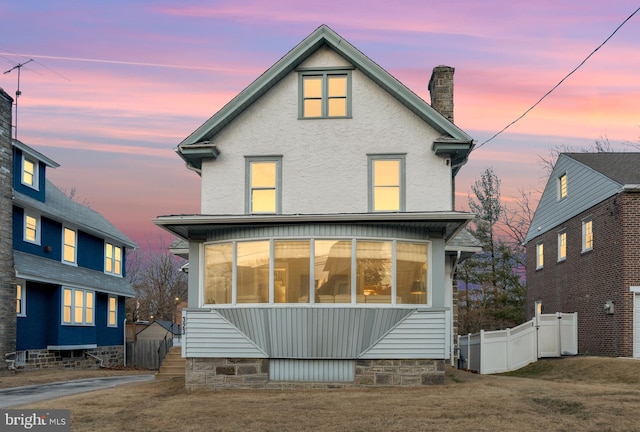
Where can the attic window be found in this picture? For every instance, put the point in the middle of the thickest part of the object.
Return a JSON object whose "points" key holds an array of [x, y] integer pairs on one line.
{"points": [[29, 172], [562, 186], [325, 94]]}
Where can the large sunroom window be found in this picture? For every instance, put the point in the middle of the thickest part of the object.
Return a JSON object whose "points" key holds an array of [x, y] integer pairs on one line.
{"points": [[312, 271]]}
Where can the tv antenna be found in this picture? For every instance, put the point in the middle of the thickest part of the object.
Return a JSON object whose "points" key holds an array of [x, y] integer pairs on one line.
{"points": [[18, 93]]}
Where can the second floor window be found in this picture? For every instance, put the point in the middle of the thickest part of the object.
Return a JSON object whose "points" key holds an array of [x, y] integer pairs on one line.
{"points": [[31, 228], [539, 255], [113, 259], [386, 183], [69, 246], [325, 94], [29, 173], [263, 185]]}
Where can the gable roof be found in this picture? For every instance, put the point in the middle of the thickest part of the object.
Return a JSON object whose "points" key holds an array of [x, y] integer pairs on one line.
{"points": [[60, 207], [198, 145], [591, 179], [623, 168], [34, 153]]}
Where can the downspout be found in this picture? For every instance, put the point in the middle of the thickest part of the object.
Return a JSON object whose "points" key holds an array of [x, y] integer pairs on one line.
{"points": [[124, 342], [453, 341]]}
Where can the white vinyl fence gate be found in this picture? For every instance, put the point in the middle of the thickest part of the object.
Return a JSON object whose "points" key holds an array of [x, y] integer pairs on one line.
{"points": [[548, 335]]}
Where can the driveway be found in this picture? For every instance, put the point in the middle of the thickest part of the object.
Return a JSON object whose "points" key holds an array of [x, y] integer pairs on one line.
{"points": [[25, 395]]}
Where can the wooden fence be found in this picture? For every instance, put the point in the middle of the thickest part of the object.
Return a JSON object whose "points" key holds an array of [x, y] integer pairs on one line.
{"points": [[147, 354]]}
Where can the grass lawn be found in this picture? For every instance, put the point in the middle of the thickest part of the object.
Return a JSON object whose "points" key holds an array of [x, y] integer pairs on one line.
{"points": [[568, 394]]}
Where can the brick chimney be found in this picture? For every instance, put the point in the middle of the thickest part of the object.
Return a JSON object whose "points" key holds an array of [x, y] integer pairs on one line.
{"points": [[7, 274], [441, 89]]}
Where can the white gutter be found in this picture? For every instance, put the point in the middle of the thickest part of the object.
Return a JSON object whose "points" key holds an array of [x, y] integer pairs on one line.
{"points": [[631, 188]]}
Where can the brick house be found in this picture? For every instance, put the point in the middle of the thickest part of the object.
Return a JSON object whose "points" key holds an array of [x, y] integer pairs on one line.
{"points": [[325, 249], [583, 249]]}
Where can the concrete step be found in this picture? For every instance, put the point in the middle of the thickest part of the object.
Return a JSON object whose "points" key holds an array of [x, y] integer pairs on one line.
{"points": [[173, 365]]}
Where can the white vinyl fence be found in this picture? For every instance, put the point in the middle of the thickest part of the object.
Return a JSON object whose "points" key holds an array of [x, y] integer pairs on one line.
{"points": [[491, 352]]}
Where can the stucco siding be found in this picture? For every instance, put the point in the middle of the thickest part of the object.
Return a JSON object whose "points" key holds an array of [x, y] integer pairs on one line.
{"points": [[321, 156]]}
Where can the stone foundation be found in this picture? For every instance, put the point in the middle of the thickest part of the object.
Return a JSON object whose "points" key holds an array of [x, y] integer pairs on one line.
{"points": [[232, 373], [46, 359]]}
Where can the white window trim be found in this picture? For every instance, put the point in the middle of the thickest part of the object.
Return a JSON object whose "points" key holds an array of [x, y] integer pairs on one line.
{"points": [[75, 248], [23, 303], [115, 324], [560, 233], [539, 264], [84, 307], [36, 173], [114, 247], [38, 236], [585, 221]]}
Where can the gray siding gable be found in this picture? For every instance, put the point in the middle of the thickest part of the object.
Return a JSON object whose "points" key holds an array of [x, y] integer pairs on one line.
{"points": [[586, 187]]}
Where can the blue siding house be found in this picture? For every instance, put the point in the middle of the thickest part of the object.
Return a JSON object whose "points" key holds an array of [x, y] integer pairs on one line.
{"points": [[70, 273]]}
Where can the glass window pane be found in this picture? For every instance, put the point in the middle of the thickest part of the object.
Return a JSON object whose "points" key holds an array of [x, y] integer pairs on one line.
{"points": [[218, 273], [292, 263], [263, 174], [253, 272], [562, 246], [337, 107], [66, 309], [112, 311], [312, 108], [332, 271], [30, 230], [386, 199], [78, 306], [89, 309], [263, 201], [411, 273], [337, 85], [108, 262], [18, 298], [28, 172], [373, 271], [312, 86], [386, 173]]}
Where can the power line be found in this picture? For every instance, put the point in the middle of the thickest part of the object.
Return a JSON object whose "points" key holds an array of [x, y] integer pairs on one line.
{"points": [[561, 81]]}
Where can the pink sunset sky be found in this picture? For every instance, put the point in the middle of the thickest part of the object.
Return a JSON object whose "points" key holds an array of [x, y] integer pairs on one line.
{"points": [[115, 86]]}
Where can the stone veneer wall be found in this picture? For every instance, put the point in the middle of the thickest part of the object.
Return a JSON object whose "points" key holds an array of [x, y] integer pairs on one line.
{"points": [[232, 373], [8, 322], [47, 359]]}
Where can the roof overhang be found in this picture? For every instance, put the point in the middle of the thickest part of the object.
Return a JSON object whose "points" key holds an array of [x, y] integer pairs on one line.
{"points": [[457, 150], [193, 154], [25, 149], [197, 227], [322, 36]]}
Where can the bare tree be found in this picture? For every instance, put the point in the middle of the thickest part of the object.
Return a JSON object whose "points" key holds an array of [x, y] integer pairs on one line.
{"points": [[159, 282], [601, 145]]}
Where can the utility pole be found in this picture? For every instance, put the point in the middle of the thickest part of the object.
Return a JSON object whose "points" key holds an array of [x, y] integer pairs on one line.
{"points": [[18, 93]]}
